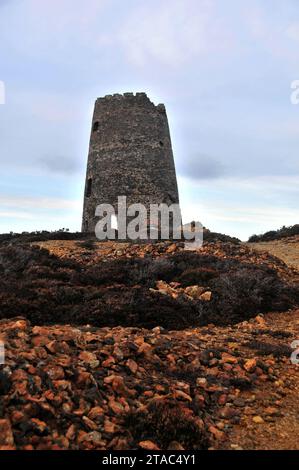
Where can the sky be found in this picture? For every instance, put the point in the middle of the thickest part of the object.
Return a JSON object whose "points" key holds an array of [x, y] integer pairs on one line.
{"points": [[223, 69]]}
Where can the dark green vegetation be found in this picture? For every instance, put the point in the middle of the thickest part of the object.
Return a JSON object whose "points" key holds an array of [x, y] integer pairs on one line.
{"points": [[117, 291], [283, 232]]}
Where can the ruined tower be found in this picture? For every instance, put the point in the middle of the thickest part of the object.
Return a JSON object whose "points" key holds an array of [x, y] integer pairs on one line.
{"points": [[130, 155]]}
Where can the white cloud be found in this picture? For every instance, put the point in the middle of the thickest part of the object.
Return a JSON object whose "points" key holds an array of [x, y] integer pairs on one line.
{"points": [[241, 207], [51, 26], [293, 31], [240, 221], [39, 203], [20, 214], [16, 215], [174, 32], [268, 215], [271, 29]]}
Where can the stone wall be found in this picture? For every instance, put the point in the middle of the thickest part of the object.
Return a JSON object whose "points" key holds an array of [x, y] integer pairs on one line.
{"points": [[130, 155]]}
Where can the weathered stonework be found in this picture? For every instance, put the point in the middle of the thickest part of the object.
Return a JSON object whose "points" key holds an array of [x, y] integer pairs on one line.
{"points": [[130, 155]]}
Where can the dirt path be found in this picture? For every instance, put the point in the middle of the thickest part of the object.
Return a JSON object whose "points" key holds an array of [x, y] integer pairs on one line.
{"points": [[286, 249], [280, 430], [276, 403]]}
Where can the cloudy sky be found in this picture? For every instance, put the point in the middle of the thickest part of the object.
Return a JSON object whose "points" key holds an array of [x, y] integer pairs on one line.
{"points": [[223, 69]]}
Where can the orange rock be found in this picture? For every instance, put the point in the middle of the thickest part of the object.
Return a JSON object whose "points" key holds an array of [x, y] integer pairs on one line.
{"points": [[118, 385], [6, 436], [250, 365], [171, 358], [160, 388], [29, 356], [216, 432], [95, 413], [110, 427], [89, 423], [260, 320], [195, 291], [51, 346], [84, 378], [222, 399], [108, 362], [174, 445], [40, 340], [117, 352], [271, 411], [229, 358], [20, 325], [201, 382], [55, 372], [40, 352], [49, 395], [63, 361], [166, 289], [206, 296], [19, 375], [16, 416], [132, 365], [257, 420], [214, 371], [38, 424], [21, 387], [116, 407], [182, 395], [199, 400], [148, 445], [89, 358], [37, 330], [62, 385], [71, 432], [31, 370], [172, 248], [145, 349]]}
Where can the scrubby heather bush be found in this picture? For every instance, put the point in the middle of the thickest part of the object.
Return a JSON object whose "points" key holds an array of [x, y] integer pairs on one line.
{"points": [[17, 260], [164, 421], [88, 244], [42, 235], [197, 276], [47, 289], [240, 294], [265, 349], [219, 237], [275, 234]]}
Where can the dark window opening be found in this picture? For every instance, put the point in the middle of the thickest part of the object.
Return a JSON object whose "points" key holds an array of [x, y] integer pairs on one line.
{"points": [[88, 187], [161, 143], [86, 226], [95, 126]]}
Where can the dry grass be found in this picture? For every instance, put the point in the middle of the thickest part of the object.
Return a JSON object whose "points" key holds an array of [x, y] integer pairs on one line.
{"points": [[286, 249]]}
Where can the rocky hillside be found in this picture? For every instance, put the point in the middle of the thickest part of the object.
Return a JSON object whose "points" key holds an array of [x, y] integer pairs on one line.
{"points": [[120, 346], [113, 284], [286, 249], [283, 232]]}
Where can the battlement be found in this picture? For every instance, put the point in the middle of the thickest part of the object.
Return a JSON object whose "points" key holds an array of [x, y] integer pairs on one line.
{"points": [[130, 97]]}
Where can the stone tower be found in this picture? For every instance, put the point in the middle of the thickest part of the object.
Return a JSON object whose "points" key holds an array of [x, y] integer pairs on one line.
{"points": [[130, 155]]}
